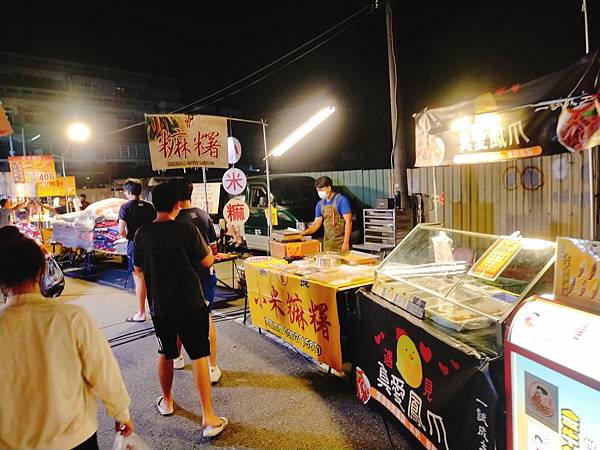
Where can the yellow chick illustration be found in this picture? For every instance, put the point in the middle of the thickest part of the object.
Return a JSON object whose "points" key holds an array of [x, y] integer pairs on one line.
{"points": [[408, 361]]}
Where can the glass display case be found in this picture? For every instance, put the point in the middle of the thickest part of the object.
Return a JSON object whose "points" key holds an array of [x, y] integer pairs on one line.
{"points": [[464, 284]]}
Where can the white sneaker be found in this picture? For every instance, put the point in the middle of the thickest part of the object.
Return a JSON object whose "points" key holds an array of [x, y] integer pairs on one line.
{"points": [[215, 374], [179, 363]]}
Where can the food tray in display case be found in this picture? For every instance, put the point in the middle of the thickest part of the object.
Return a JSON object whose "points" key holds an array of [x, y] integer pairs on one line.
{"points": [[464, 282]]}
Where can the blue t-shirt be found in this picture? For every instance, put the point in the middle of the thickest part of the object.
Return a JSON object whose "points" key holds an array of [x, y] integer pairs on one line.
{"points": [[342, 204]]}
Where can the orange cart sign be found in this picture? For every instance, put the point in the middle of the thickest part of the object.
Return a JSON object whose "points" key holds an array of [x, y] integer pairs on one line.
{"points": [[301, 312], [32, 169]]}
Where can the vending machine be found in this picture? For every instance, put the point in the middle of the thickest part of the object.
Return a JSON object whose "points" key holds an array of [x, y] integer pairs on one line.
{"points": [[552, 358]]}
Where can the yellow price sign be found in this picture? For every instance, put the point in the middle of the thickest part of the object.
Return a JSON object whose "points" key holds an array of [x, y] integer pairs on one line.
{"points": [[56, 188], [496, 258], [31, 169]]}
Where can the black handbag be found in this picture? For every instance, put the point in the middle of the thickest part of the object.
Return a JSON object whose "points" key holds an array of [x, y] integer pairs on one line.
{"points": [[53, 280]]}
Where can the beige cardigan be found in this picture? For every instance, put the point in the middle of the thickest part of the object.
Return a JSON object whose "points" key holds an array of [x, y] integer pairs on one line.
{"points": [[54, 363]]}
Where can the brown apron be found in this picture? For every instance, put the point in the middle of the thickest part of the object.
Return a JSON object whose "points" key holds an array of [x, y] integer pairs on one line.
{"points": [[334, 226]]}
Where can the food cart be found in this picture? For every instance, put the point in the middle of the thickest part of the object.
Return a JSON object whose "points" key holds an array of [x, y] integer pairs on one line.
{"points": [[553, 358], [307, 303], [431, 327], [431, 353]]}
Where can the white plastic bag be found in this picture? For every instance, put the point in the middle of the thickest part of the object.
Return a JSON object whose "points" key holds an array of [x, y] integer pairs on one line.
{"points": [[53, 279], [442, 248], [131, 442]]}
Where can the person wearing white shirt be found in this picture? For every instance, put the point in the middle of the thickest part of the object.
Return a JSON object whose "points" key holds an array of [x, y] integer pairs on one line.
{"points": [[7, 209], [56, 362]]}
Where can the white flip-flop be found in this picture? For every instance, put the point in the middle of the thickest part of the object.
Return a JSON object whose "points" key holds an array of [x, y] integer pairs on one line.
{"points": [[136, 318], [162, 409], [212, 431]]}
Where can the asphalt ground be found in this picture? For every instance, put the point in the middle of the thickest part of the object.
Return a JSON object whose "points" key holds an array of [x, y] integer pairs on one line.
{"points": [[273, 396]]}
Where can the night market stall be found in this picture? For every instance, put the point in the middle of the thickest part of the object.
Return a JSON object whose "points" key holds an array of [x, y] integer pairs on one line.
{"points": [[34, 178], [433, 326], [309, 303], [432, 330], [95, 229]]}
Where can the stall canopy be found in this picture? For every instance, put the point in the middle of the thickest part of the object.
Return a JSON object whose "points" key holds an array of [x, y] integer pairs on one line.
{"points": [[553, 114]]}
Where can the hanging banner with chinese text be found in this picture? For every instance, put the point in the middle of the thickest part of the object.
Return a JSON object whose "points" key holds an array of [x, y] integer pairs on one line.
{"points": [[179, 141], [56, 188], [234, 181], [236, 210], [301, 312], [436, 388], [32, 169], [550, 115]]}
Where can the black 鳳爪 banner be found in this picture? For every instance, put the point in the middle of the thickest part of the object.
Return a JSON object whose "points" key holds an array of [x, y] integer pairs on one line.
{"points": [[550, 115], [438, 389]]}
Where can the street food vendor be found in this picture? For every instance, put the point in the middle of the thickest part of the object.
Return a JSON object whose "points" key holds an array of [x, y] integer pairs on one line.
{"points": [[58, 210], [83, 201], [334, 212], [7, 209]]}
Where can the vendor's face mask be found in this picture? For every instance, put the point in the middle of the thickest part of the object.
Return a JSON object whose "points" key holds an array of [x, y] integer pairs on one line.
{"points": [[323, 194]]}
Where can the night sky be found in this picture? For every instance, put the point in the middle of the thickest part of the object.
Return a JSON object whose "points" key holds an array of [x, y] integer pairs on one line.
{"points": [[447, 52]]}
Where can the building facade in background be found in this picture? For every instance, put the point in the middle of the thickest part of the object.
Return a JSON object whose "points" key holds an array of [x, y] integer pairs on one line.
{"points": [[43, 96]]}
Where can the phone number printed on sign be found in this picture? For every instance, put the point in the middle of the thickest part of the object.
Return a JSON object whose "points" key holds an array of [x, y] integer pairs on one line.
{"points": [[181, 140]]}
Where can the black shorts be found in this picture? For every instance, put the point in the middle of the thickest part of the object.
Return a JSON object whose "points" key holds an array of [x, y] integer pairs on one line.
{"points": [[191, 328]]}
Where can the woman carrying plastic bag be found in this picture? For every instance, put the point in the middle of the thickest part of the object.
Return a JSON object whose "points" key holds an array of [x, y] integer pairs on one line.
{"points": [[50, 391], [131, 442]]}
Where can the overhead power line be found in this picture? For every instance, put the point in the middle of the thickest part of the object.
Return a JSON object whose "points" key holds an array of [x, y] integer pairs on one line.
{"points": [[286, 64], [305, 49]]}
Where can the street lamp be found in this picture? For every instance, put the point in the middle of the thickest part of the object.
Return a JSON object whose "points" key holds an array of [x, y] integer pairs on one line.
{"points": [[76, 132], [292, 139], [309, 125]]}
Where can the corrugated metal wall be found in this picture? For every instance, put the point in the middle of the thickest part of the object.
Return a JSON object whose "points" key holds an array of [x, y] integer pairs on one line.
{"points": [[367, 185], [541, 197]]}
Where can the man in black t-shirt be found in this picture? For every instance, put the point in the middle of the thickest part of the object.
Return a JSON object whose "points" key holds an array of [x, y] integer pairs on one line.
{"points": [[172, 255], [133, 215], [201, 220]]}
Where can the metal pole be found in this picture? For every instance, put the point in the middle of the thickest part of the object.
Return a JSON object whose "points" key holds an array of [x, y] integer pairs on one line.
{"points": [[269, 227], [399, 176], [62, 153], [205, 189], [10, 141], [585, 20], [590, 154], [236, 119], [435, 197], [23, 140]]}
